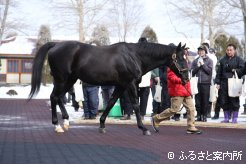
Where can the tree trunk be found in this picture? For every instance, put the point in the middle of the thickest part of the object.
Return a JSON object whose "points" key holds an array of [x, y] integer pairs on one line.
{"points": [[244, 45], [3, 22], [81, 20], [202, 31], [243, 6]]}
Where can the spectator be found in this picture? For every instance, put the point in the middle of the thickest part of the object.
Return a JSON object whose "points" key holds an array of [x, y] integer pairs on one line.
{"points": [[230, 63], [126, 106], [143, 93], [107, 91], [91, 100], [155, 79], [202, 68], [211, 55], [165, 98]]}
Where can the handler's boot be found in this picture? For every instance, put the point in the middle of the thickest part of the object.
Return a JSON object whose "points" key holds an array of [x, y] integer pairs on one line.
{"points": [[226, 117], [156, 119], [234, 117], [191, 123]]}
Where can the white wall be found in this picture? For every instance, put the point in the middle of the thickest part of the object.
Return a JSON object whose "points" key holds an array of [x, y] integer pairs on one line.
{"points": [[3, 68]]}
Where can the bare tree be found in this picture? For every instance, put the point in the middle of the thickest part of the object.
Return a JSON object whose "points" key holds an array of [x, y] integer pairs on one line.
{"points": [[9, 25], [241, 6], [125, 16], [210, 15], [3, 17], [80, 13]]}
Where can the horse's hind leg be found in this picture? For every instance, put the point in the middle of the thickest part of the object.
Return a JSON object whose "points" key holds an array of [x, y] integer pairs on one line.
{"points": [[132, 91], [53, 101], [65, 88], [57, 98], [116, 94], [65, 115]]}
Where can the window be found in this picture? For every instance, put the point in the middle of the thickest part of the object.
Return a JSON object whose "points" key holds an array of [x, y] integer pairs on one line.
{"points": [[26, 66], [13, 65]]}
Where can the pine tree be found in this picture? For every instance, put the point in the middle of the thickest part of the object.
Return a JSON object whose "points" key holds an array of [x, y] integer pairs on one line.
{"points": [[221, 44], [149, 34], [44, 36], [100, 36]]}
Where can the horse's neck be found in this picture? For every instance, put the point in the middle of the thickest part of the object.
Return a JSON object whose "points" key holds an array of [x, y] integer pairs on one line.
{"points": [[158, 56]]}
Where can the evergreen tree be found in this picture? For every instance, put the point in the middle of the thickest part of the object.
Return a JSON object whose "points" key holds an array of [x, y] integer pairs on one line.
{"points": [[149, 34], [221, 43], [100, 36], [44, 36]]}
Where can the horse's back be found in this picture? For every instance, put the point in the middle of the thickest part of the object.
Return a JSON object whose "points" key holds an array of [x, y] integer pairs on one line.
{"points": [[94, 64]]}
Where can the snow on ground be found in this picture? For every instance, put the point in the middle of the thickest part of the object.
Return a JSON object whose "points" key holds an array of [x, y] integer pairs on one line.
{"points": [[23, 91], [45, 91]]}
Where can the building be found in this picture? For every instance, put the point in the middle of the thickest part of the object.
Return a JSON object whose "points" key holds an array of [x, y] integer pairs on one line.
{"points": [[16, 60]]}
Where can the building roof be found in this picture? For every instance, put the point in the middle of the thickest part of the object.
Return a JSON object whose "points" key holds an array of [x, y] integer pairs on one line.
{"points": [[18, 45]]}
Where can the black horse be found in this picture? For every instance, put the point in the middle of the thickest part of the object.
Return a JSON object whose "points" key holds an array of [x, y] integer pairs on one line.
{"points": [[120, 64]]}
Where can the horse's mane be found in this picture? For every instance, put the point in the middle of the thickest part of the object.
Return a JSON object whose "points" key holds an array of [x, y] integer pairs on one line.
{"points": [[154, 49]]}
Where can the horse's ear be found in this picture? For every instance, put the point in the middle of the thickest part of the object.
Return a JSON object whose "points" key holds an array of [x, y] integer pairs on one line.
{"points": [[179, 45], [183, 47]]}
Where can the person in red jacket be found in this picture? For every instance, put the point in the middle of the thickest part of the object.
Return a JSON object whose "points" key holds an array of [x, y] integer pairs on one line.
{"points": [[180, 94]]}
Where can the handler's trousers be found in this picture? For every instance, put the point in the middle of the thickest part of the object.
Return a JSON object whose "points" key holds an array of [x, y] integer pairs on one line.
{"points": [[175, 107]]}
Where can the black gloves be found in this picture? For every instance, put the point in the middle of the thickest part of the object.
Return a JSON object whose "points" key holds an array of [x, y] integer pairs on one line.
{"points": [[228, 68]]}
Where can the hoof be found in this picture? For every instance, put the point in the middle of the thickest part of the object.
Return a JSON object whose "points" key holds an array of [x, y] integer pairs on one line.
{"points": [[102, 130], [66, 126], [59, 129], [147, 133]]}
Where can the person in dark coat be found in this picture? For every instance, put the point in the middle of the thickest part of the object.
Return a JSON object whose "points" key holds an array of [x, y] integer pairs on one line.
{"points": [[230, 63], [202, 68]]}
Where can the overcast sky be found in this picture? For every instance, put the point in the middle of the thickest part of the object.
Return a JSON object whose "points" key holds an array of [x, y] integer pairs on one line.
{"points": [[38, 12]]}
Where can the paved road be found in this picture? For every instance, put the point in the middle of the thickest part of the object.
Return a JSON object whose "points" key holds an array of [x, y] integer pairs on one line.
{"points": [[27, 137]]}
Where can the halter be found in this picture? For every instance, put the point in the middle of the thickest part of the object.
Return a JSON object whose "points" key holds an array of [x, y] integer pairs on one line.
{"points": [[180, 70], [174, 62]]}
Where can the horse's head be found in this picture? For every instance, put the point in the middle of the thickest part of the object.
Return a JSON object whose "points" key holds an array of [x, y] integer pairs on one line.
{"points": [[179, 64]]}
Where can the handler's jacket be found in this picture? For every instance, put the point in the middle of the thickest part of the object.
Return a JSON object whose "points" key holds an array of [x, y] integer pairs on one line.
{"points": [[175, 87], [226, 65]]}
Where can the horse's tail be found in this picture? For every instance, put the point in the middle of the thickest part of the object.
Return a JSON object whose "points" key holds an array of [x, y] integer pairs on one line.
{"points": [[38, 63]]}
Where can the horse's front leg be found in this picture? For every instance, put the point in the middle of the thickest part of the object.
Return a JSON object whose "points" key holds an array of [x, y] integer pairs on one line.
{"points": [[132, 91], [112, 100]]}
